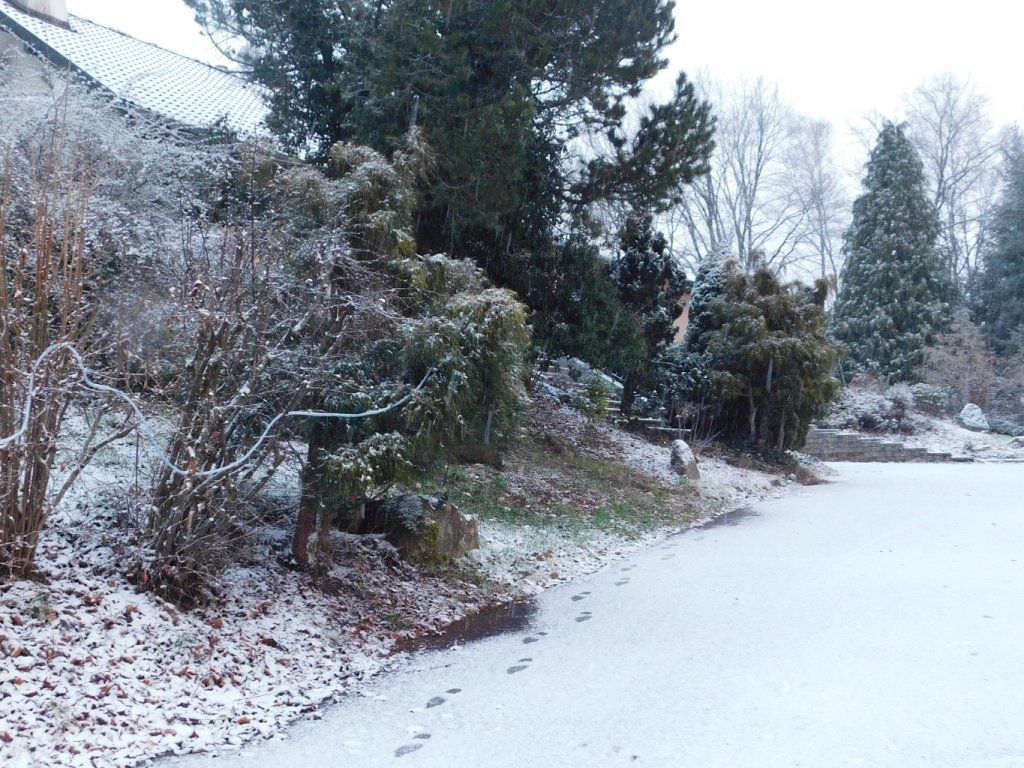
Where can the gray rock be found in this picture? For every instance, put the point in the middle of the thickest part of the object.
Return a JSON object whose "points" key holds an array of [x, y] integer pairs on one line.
{"points": [[683, 461], [973, 418], [1004, 426], [1017, 442], [422, 527]]}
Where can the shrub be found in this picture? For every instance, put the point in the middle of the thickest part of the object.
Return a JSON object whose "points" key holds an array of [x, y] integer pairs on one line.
{"points": [[757, 360]]}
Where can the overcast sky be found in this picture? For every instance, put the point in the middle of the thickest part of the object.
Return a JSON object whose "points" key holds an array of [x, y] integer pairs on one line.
{"points": [[834, 60], [841, 60]]}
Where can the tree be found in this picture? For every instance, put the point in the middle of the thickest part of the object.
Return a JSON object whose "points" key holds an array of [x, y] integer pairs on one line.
{"points": [[757, 364], [948, 122], [998, 295], [759, 200], [895, 292], [650, 284], [577, 310], [503, 92], [821, 194]]}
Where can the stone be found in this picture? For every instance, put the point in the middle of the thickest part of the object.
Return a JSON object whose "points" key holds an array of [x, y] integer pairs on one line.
{"points": [[559, 445], [683, 461], [1017, 442], [973, 418], [422, 528], [1005, 426]]}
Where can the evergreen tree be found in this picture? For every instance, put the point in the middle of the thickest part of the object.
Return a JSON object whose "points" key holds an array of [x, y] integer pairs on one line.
{"points": [[708, 287], [577, 310], [895, 293], [650, 284], [757, 367], [998, 297], [500, 90]]}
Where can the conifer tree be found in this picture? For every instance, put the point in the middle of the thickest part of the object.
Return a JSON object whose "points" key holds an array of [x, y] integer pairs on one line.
{"points": [[895, 294], [998, 297], [758, 365], [650, 283]]}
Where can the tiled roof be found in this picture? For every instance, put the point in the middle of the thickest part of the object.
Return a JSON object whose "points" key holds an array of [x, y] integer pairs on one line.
{"points": [[145, 75]]}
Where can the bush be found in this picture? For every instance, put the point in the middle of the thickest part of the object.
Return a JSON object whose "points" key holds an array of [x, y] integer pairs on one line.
{"points": [[757, 361]]}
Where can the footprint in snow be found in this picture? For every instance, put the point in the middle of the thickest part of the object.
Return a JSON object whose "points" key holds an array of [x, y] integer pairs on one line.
{"points": [[531, 639], [523, 664], [585, 616], [437, 701], [405, 750], [622, 582], [453, 691]]}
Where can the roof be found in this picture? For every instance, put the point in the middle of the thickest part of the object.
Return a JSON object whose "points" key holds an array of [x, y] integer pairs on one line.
{"points": [[144, 75]]}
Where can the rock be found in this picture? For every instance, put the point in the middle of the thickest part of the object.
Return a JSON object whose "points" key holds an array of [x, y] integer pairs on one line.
{"points": [[560, 446], [422, 527], [1004, 426], [683, 461], [1017, 442], [973, 418]]}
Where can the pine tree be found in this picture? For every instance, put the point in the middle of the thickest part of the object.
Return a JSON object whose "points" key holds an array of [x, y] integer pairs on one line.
{"points": [[895, 293], [651, 284], [500, 90], [998, 297]]}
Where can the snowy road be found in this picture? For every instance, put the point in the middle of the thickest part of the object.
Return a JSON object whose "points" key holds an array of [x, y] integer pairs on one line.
{"points": [[876, 621]]}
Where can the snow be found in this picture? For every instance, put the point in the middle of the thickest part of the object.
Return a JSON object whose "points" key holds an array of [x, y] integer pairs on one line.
{"points": [[837, 627], [878, 414], [97, 674]]}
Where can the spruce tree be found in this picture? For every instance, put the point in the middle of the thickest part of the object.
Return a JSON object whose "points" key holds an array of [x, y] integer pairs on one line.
{"points": [[895, 294], [998, 297]]}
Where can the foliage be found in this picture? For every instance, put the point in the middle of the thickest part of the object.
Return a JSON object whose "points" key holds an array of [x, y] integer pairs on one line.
{"points": [[592, 402], [757, 361], [576, 308], [895, 293], [651, 285], [502, 91], [998, 295]]}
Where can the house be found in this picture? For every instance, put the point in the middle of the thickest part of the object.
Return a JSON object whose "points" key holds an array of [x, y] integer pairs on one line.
{"points": [[39, 38], [682, 323]]}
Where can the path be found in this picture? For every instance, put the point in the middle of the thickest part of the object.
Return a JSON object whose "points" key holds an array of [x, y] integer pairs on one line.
{"points": [[875, 621]]}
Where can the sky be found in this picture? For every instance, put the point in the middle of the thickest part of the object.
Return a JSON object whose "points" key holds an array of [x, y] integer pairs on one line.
{"points": [[833, 60], [842, 60]]}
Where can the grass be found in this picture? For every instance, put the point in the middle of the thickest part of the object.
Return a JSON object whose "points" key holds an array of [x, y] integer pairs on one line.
{"points": [[572, 492]]}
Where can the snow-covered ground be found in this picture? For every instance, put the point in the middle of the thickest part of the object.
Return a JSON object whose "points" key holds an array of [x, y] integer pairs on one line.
{"points": [[940, 435], [96, 674], [841, 626]]}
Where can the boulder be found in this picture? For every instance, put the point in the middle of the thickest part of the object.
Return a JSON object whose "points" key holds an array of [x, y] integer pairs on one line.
{"points": [[422, 528], [1004, 426], [683, 461], [973, 418], [1017, 442]]}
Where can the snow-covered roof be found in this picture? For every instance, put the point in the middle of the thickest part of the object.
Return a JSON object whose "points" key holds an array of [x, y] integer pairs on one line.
{"points": [[144, 75]]}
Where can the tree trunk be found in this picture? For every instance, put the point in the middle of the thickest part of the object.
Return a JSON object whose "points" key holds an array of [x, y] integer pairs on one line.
{"points": [[310, 501]]}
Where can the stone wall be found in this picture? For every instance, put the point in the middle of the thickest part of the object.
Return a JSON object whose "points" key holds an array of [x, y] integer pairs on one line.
{"points": [[838, 445]]}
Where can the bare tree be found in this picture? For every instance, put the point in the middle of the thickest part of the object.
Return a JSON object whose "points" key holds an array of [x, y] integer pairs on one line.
{"points": [[949, 123], [749, 204], [822, 195]]}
